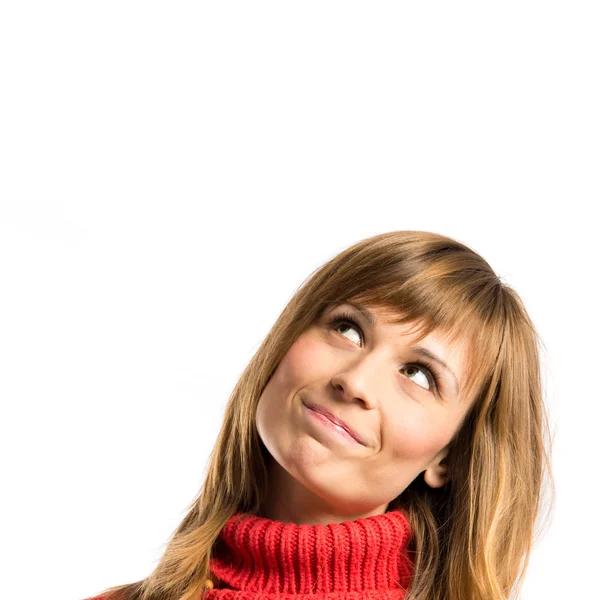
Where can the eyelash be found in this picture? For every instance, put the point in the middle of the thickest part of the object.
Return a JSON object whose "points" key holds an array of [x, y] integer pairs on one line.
{"points": [[345, 318]]}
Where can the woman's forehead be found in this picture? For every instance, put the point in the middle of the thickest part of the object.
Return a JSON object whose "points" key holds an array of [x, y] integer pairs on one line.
{"points": [[385, 313]]}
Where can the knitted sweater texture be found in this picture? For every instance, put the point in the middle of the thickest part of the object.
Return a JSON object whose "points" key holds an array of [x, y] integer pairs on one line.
{"points": [[256, 558]]}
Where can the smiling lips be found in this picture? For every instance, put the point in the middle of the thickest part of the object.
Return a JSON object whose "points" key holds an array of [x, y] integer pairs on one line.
{"points": [[335, 420]]}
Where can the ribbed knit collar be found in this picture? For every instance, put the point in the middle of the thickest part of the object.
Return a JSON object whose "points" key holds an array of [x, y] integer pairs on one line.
{"points": [[365, 559]]}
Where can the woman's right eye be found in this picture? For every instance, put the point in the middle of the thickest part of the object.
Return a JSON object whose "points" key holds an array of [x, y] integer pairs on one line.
{"points": [[345, 320]]}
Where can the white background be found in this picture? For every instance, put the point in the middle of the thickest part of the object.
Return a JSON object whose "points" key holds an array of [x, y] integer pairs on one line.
{"points": [[171, 172]]}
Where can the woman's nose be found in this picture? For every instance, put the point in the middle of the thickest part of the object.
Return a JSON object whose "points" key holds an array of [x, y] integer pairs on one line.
{"points": [[358, 381]]}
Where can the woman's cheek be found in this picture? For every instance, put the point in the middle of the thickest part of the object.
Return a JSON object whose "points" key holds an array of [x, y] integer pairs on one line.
{"points": [[414, 435], [306, 360]]}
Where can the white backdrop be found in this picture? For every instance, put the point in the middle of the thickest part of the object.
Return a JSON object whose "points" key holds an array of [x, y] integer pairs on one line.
{"points": [[170, 174]]}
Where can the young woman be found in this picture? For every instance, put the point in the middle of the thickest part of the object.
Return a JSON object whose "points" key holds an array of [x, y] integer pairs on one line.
{"points": [[388, 440]]}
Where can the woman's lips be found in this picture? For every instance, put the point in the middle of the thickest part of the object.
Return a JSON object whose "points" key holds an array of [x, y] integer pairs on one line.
{"points": [[335, 420]]}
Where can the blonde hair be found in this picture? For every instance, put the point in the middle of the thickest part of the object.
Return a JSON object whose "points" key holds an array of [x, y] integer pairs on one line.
{"points": [[472, 537]]}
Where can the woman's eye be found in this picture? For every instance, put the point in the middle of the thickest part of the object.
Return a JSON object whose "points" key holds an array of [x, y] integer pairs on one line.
{"points": [[348, 327], [424, 377]]}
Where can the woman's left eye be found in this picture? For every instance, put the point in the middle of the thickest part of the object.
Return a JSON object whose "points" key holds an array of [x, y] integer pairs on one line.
{"points": [[425, 378], [428, 374]]}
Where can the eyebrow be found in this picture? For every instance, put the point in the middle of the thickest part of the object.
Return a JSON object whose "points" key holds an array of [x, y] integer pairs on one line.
{"points": [[421, 350]]}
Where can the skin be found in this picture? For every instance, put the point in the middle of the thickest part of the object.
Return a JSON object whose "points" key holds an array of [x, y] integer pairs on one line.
{"points": [[378, 387]]}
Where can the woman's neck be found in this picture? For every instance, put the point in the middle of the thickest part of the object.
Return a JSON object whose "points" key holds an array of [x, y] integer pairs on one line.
{"points": [[291, 502]]}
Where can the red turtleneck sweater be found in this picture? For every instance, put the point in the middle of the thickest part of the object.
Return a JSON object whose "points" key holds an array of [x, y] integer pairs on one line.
{"points": [[365, 559]]}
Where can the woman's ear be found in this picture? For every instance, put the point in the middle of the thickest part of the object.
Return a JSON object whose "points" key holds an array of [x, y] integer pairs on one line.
{"points": [[436, 474]]}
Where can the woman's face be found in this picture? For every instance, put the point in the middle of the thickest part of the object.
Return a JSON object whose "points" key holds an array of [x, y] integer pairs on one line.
{"points": [[370, 376]]}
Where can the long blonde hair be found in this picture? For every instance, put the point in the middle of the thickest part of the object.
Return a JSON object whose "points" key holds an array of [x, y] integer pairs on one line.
{"points": [[472, 537]]}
